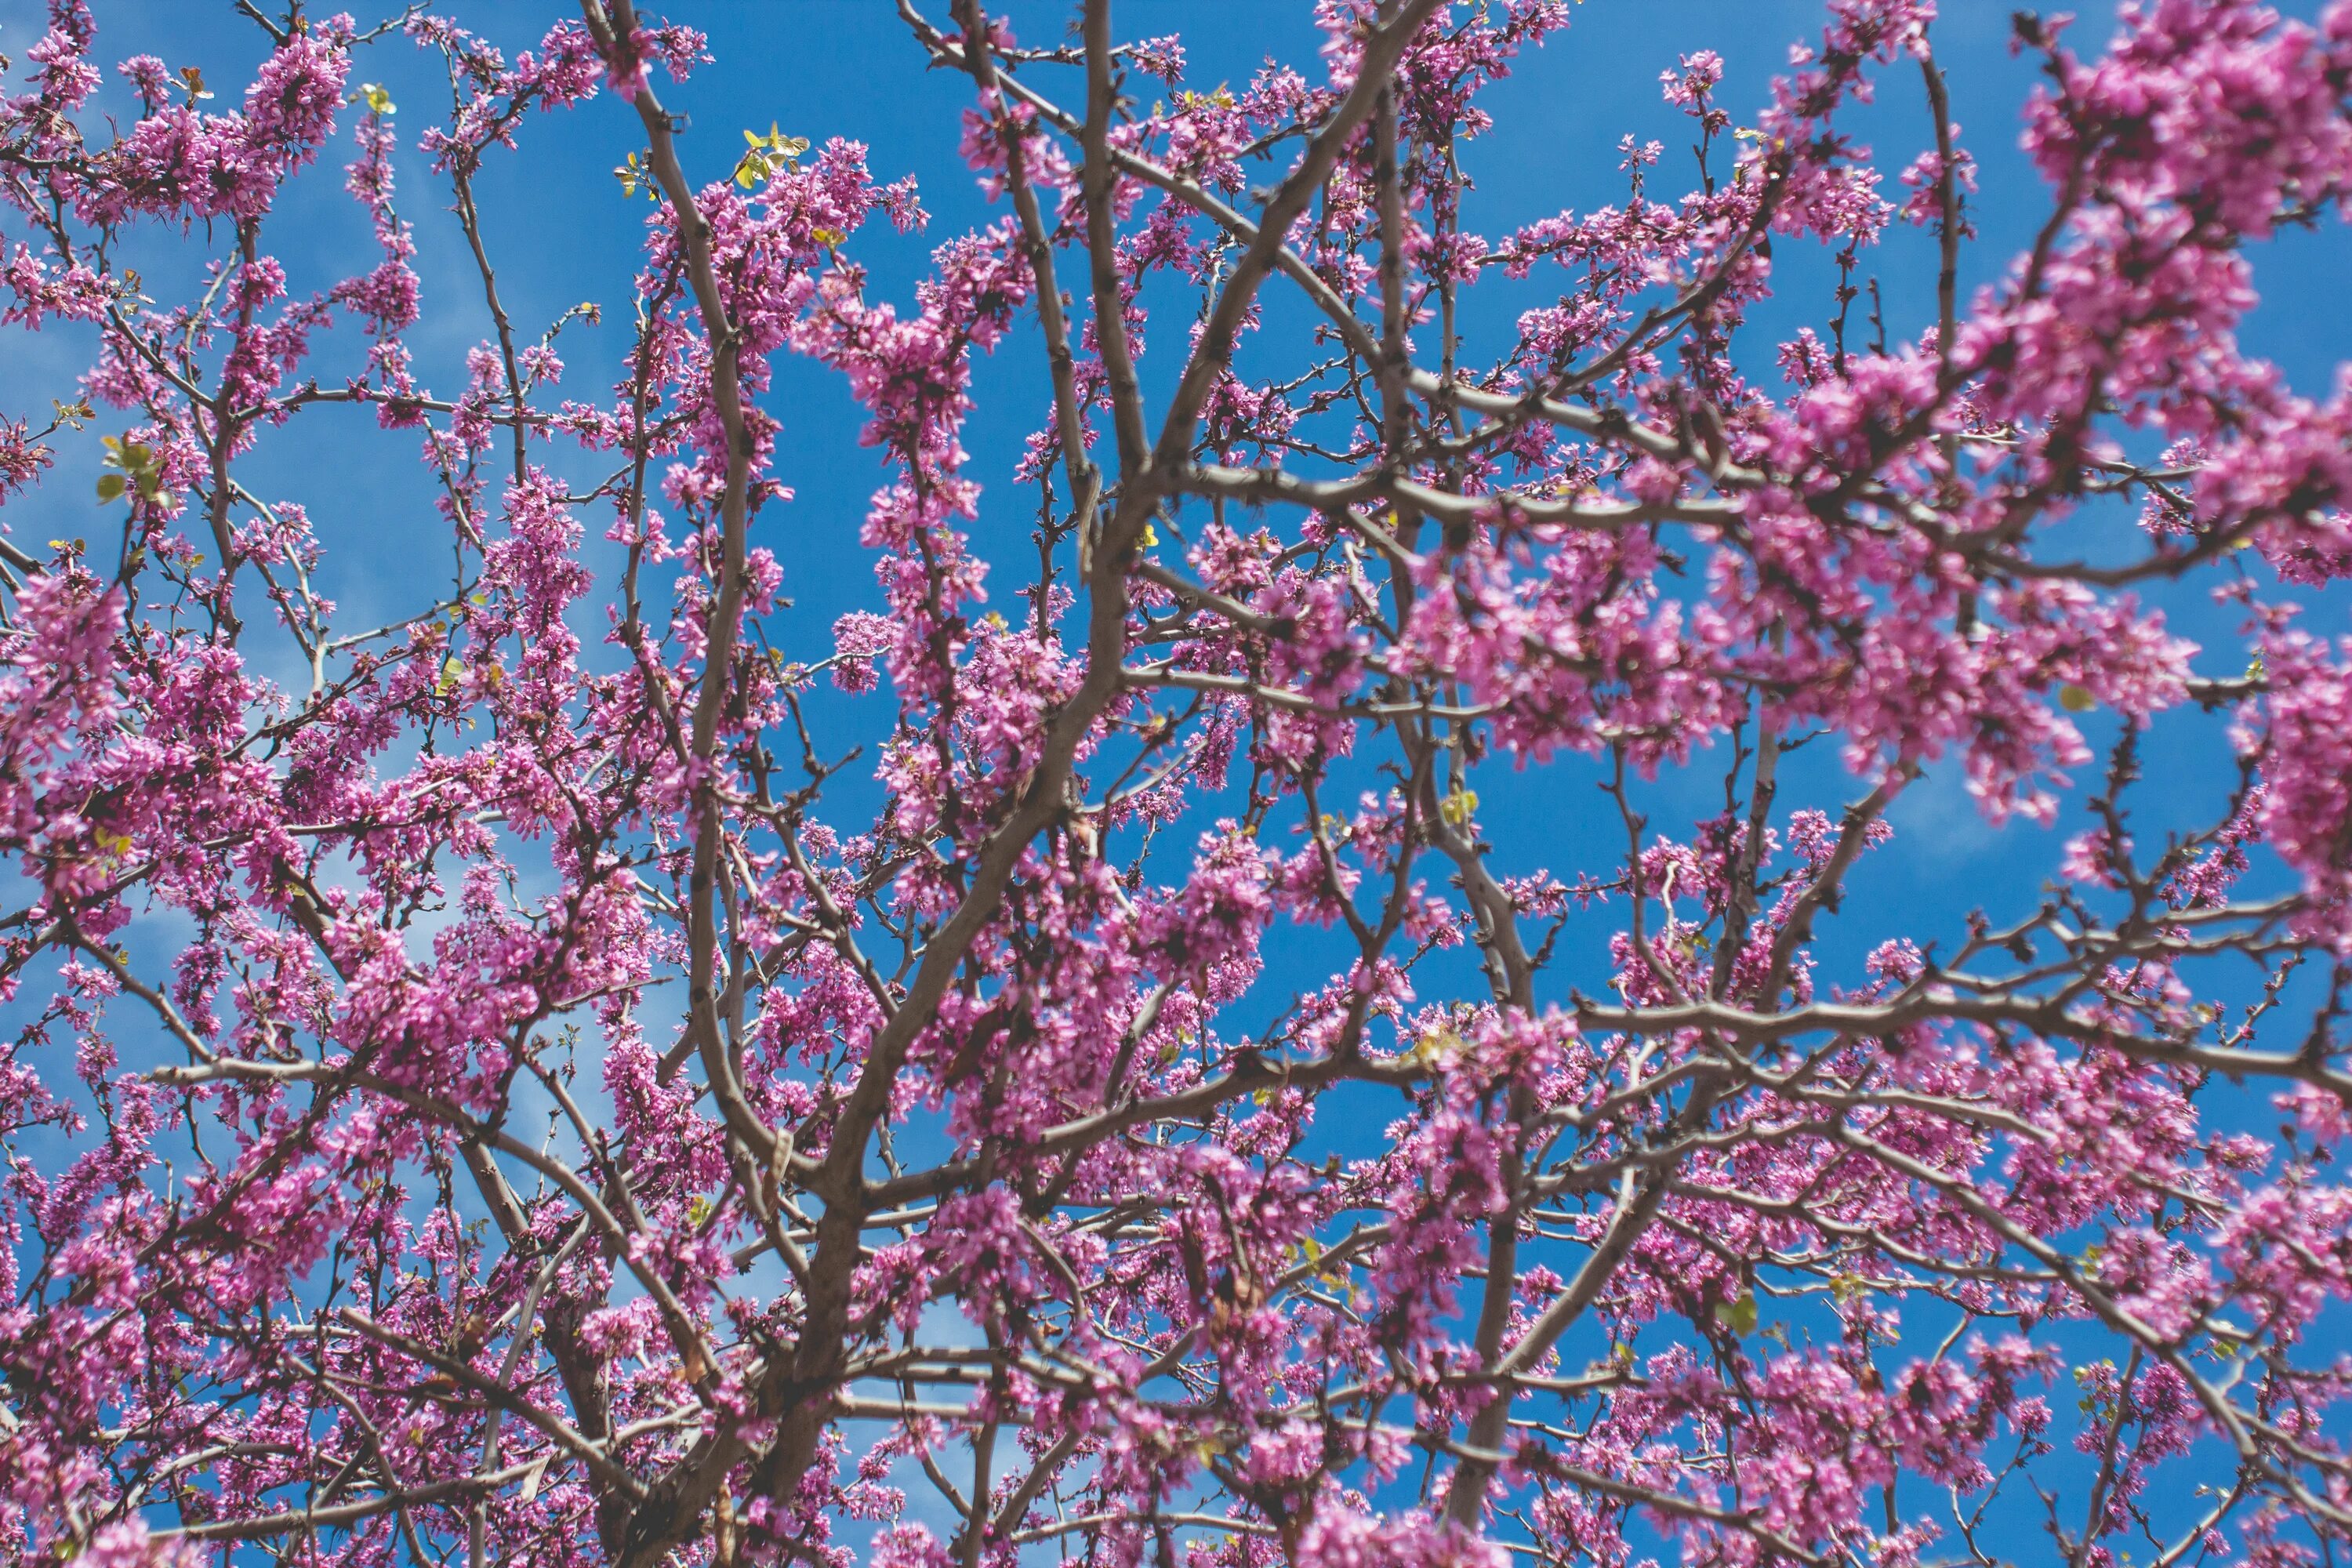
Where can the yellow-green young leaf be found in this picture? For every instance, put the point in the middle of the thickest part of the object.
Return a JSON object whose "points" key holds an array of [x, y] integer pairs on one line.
{"points": [[1437, 1047], [827, 236], [1456, 807], [776, 141], [378, 100], [2076, 699], [1739, 1316], [112, 486], [453, 670]]}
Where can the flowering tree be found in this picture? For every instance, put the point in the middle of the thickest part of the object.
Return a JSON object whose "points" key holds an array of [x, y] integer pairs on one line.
{"points": [[488, 1098]]}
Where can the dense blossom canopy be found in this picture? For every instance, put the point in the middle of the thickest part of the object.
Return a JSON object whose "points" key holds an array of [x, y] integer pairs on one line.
{"points": [[480, 1088]]}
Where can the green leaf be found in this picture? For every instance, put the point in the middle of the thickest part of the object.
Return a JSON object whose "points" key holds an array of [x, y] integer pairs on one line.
{"points": [[636, 175], [768, 155], [112, 486], [1437, 1047], [2076, 699], [777, 141], [1739, 1316]]}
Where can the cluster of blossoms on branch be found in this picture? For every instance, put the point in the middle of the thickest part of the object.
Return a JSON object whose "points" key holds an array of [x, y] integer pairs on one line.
{"points": [[481, 1087]]}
